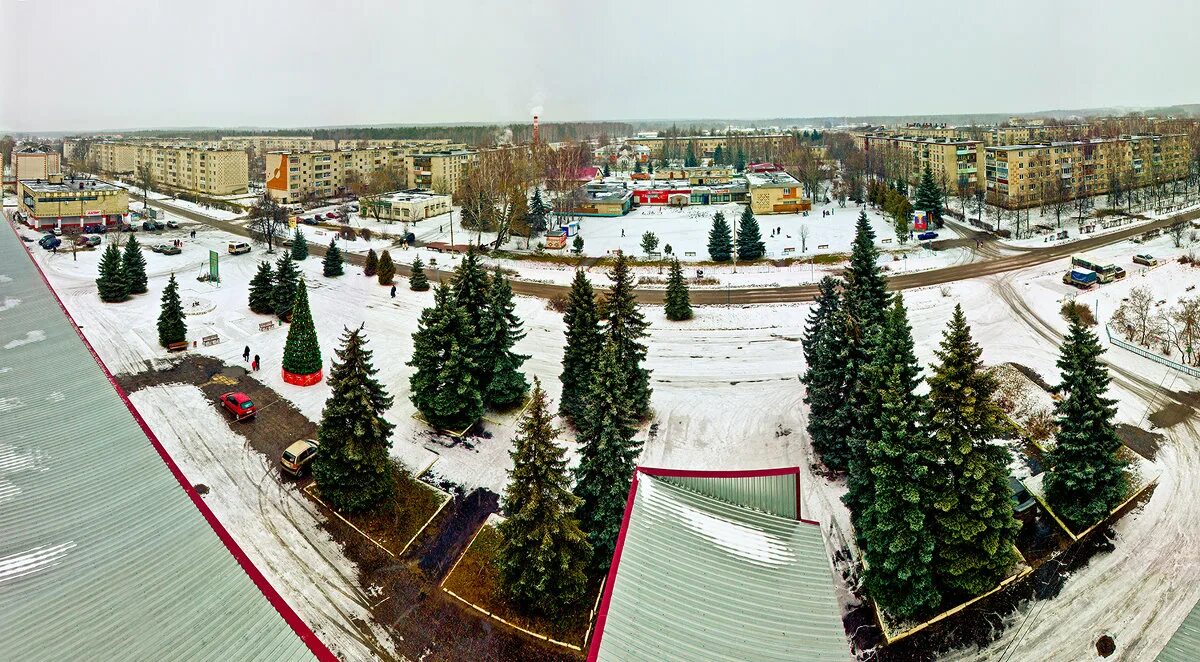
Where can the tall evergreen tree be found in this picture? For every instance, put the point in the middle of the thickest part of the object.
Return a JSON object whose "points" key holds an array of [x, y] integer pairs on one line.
{"points": [[501, 331], [171, 326], [739, 162], [1086, 480], [110, 281], [637, 166], [626, 329], [262, 288], [719, 156], [582, 349], [353, 470], [929, 196], [331, 264], [444, 387], [418, 281], [825, 347], [899, 549], [372, 263], [299, 245], [387, 269], [864, 302], [539, 212], [750, 245], [283, 294], [544, 554], [607, 457], [302, 350], [471, 288], [973, 516], [650, 167], [133, 265], [720, 242], [678, 305], [689, 159], [607, 171]]}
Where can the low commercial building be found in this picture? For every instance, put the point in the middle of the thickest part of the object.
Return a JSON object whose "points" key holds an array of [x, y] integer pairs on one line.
{"points": [[680, 193], [202, 170], [404, 206], [69, 203], [1021, 176], [698, 175], [776, 193], [600, 200]]}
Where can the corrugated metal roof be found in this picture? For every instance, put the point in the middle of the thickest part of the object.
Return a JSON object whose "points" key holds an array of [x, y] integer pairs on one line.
{"points": [[773, 493], [102, 554], [700, 578], [1184, 645]]}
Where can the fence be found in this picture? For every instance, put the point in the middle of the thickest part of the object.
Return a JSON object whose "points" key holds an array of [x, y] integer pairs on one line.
{"points": [[1185, 369]]}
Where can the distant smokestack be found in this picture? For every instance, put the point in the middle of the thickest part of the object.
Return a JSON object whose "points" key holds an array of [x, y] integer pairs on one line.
{"points": [[535, 129]]}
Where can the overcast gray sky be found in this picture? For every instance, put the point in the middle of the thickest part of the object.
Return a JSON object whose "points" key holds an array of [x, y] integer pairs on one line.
{"points": [[67, 65]]}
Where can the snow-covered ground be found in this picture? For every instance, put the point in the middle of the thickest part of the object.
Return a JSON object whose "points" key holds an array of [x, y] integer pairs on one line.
{"points": [[726, 395]]}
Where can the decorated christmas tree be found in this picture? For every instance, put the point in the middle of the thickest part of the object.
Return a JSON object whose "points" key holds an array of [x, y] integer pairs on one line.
{"points": [[302, 352], [171, 327]]}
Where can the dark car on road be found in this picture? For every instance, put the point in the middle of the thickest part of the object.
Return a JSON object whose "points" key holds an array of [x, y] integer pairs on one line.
{"points": [[239, 404]]}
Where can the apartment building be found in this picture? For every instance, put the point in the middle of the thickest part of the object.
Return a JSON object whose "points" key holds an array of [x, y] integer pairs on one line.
{"points": [[439, 171], [70, 203], [264, 144], [707, 145], [952, 162], [1027, 134], [1020, 176], [207, 171], [775, 193], [32, 163], [297, 176]]}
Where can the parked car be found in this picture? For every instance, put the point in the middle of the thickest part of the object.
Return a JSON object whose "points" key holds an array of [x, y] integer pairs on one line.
{"points": [[1145, 259], [331, 215], [158, 248], [173, 224], [1084, 279], [1023, 501], [239, 404], [49, 241], [1119, 273], [128, 227], [57, 232], [151, 226], [171, 250], [354, 208], [238, 247], [926, 236], [297, 457], [95, 228], [309, 220], [87, 240]]}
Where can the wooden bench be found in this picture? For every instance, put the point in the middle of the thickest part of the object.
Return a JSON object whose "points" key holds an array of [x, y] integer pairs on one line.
{"points": [[177, 346], [211, 340], [266, 326]]}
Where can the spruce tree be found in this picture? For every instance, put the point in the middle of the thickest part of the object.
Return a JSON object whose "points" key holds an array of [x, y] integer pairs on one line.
{"points": [[1086, 480], [973, 515], [607, 456], [372, 263], [133, 265], [689, 158], [739, 163], [626, 330], [637, 165], [544, 554], [539, 212], [824, 379], [750, 245], [678, 305], [582, 349], [899, 539], [386, 271], [443, 384], [111, 282], [500, 333], [299, 246], [607, 171], [864, 302], [418, 281], [577, 244], [719, 156], [302, 350], [331, 264], [353, 470], [720, 243], [928, 196], [171, 326], [262, 288], [471, 288], [283, 294]]}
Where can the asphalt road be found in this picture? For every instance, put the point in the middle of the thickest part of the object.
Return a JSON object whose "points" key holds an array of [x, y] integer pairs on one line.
{"points": [[791, 293]]}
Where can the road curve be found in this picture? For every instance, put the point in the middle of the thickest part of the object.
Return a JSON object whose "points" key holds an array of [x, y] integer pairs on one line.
{"points": [[786, 294]]}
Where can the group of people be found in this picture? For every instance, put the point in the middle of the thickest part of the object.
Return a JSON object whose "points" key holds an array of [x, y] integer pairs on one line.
{"points": [[246, 357]]}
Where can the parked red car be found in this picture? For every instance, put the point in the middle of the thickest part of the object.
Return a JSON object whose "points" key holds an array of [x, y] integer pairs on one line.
{"points": [[239, 404], [331, 215]]}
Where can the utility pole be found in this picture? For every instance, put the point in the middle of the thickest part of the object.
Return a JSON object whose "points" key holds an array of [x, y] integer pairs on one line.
{"points": [[734, 252]]}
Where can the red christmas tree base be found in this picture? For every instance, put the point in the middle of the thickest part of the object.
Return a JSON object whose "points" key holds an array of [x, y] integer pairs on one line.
{"points": [[302, 380]]}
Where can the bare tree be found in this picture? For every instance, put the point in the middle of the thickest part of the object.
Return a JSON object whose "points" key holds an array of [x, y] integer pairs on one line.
{"points": [[145, 178], [804, 238], [1177, 230], [268, 221]]}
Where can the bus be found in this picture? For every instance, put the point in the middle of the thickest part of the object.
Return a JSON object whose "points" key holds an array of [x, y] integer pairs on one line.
{"points": [[1106, 272]]}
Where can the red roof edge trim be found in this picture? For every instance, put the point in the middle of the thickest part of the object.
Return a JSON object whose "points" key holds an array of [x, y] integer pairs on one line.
{"points": [[602, 614], [743, 473]]}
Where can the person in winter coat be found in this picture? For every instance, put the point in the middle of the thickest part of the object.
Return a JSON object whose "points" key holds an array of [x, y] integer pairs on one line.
{"points": [[246, 353], [393, 291], [255, 364]]}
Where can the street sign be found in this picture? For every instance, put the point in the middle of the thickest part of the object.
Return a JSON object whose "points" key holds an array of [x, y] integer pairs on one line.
{"points": [[213, 275]]}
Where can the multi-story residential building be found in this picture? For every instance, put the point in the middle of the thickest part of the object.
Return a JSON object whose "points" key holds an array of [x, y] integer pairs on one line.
{"points": [[1027, 175], [1026, 134], [776, 193], [410, 205], [207, 171], [296, 176], [32, 163], [706, 146], [263, 144], [439, 171], [955, 164], [69, 204]]}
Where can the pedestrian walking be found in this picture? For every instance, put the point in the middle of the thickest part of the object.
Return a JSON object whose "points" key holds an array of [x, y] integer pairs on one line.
{"points": [[193, 234], [393, 291], [246, 353], [255, 364]]}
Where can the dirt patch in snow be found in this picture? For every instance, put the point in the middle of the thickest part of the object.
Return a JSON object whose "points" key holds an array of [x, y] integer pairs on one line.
{"points": [[1142, 442]]}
